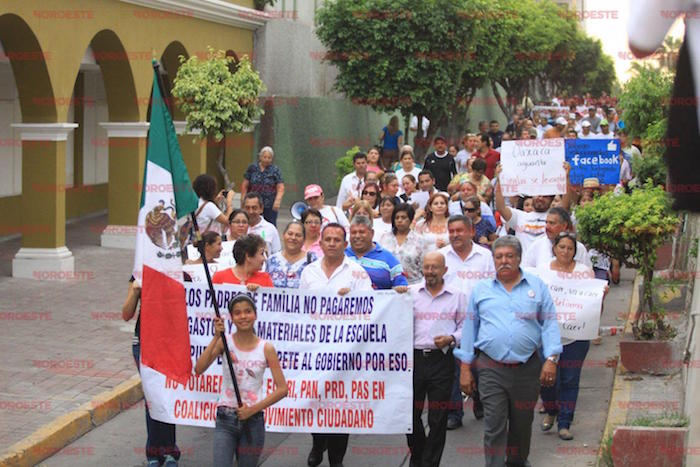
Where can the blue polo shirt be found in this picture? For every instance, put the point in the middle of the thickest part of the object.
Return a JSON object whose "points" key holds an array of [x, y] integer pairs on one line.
{"points": [[510, 326], [383, 268]]}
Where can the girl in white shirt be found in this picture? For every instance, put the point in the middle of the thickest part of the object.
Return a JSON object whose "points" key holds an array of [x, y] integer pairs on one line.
{"points": [[250, 356]]}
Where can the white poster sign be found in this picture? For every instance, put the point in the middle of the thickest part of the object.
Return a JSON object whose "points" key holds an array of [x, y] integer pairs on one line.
{"points": [[533, 167], [348, 360], [578, 297]]}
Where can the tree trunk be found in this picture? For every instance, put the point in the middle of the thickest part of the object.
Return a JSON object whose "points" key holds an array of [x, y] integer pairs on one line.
{"points": [[420, 144], [221, 164], [499, 100]]}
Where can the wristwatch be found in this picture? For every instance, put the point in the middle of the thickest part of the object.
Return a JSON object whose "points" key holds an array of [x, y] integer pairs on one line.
{"points": [[554, 359]]}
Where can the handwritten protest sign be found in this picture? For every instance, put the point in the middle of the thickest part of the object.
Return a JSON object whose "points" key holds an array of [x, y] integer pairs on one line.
{"points": [[593, 158], [533, 167], [347, 359], [578, 297]]}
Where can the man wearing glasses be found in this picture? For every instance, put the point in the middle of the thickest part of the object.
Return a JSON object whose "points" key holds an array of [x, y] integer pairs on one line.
{"points": [[508, 318], [539, 254]]}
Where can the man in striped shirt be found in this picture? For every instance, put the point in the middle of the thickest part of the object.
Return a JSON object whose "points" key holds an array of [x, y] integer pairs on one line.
{"points": [[383, 268]]}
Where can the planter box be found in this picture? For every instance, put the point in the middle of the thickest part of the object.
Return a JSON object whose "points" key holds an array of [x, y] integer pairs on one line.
{"points": [[663, 256], [634, 446], [670, 297], [652, 357]]}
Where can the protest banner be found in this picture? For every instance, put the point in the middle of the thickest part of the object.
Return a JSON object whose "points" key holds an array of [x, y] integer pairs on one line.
{"points": [[593, 158], [533, 167], [578, 298], [347, 359]]}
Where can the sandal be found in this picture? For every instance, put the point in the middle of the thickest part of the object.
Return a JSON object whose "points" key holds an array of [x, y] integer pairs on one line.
{"points": [[547, 422]]}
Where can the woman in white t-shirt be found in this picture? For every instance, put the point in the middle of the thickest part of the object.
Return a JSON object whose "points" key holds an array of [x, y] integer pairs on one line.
{"points": [[433, 227], [212, 251], [209, 216], [250, 356], [382, 224], [560, 399]]}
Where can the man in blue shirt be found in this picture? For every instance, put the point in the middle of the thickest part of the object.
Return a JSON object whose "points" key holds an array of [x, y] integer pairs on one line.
{"points": [[508, 319], [383, 268]]}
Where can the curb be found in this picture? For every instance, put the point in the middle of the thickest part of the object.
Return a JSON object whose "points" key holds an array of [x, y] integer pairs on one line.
{"points": [[55, 435], [617, 412]]}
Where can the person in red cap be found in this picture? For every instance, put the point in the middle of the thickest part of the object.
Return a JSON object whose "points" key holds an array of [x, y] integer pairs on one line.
{"points": [[313, 195]]}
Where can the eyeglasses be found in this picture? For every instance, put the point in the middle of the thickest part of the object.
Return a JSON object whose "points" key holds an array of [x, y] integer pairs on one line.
{"points": [[370, 193], [469, 209]]}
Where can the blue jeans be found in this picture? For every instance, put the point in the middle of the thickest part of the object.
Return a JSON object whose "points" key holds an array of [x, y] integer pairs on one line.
{"points": [[160, 437], [270, 215], [230, 438], [561, 398]]}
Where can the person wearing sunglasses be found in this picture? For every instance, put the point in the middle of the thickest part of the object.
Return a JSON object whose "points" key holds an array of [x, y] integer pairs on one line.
{"points": [[484, 231], [560, 398], [539, 253], [370, 193]]}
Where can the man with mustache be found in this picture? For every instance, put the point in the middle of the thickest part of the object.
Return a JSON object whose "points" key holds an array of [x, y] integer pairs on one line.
{"points": [[467, 263], [508, 318], [438, 313]]}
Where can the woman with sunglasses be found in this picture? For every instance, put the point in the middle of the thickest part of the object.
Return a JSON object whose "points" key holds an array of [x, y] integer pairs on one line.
{"points": [[484, 231], [285, 267], [560, 399], [312, 219], [433, 227], [371, 193]]}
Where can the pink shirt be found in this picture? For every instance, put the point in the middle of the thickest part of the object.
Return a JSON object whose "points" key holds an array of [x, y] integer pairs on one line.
{"points": [[441, 315]]}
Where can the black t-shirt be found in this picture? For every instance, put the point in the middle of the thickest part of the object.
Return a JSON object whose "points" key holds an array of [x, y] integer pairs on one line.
{"points": [[496, 137], [442, 168]]}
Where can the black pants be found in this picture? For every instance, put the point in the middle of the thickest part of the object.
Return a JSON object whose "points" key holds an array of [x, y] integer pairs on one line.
{"points": [[336, 444], [433, 374]]}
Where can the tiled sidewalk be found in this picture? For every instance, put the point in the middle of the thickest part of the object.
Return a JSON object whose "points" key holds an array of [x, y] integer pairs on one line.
{"points": [[62, 343]]}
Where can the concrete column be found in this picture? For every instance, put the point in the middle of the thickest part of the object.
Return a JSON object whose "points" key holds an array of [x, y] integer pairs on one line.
{"points": [[43, 254], [127, 156]]}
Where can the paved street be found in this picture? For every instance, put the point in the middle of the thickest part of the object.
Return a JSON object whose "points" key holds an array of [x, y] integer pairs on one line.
{"points": [[121, 440]]}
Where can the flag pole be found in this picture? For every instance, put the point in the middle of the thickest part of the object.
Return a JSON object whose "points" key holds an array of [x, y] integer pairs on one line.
{"points": [[200, 247]]}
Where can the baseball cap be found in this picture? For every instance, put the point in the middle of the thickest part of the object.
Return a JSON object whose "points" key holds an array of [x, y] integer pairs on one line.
{"points": [[439, 137], [560, 121], [604, 122], [585, 123], [591, 182], [312, 190]]}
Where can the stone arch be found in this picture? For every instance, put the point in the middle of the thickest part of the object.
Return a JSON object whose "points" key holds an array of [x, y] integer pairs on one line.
{"points": [[28, 62], [170, 59], [114, 63]]}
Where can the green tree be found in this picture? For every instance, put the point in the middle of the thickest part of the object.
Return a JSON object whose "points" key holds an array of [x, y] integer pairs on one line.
{"points": [[644, 99], [218, 96], [406, 55], [631, 228], [538, 32], [584, 69]]}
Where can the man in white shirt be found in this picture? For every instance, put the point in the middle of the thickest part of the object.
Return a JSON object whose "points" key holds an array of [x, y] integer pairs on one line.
{"points": [[313, 195], [604, 132], [586, 132], [529, 226], [467, 263], [463, 155], [334, 271], [253, 205], [539, 254], [351, 186]]}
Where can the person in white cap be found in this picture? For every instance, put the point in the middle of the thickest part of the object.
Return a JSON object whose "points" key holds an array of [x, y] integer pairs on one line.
{"points": [[313, 195], [586, 132], [559, 130], [592, 118]]}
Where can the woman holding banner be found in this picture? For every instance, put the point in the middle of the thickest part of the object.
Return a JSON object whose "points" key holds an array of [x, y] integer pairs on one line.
{"points": [[285, 267], [249, 254], [560, 399], [251, 355]]}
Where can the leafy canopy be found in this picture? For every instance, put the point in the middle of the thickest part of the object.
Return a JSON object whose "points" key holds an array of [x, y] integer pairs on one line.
{"points": [[214, 99], [644, 99]]}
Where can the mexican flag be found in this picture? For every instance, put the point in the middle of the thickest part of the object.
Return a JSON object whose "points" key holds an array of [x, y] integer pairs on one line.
{"points": [[166, 196]]}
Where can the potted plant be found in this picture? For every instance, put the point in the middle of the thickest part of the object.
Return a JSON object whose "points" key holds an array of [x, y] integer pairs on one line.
{"points": [[218, 96], [657, 441], [631, 227]]}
